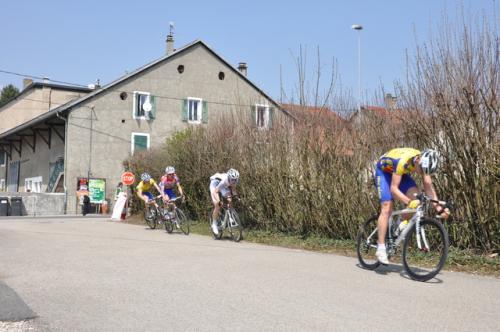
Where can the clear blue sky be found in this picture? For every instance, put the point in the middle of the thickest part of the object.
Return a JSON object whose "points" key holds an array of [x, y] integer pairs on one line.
{"points": [[85, 40]]}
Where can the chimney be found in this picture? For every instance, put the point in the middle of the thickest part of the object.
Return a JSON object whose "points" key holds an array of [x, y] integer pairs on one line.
{"points": [[46, 80], [170, 44], [242, 67], [390, 101], [27, 82]]}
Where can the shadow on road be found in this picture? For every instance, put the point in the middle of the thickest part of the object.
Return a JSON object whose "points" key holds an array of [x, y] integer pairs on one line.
{"points": [[393, 268], [12, 307]]}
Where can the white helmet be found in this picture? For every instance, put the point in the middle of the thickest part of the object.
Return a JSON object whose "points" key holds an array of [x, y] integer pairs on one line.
{"points": [[429, 161], [233, 175], [170, 170]]}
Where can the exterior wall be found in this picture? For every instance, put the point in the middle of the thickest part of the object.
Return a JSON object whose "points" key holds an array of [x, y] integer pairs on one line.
{"points": [[112, 121], [3, 173], [32, 104], [38, 204], [34, 164]]}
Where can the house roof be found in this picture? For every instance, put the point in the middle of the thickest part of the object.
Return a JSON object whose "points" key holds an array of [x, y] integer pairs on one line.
{"points": [[69, 105], [37, 120], [394, 115], [176, 53], [39, 85], [320, 113]]}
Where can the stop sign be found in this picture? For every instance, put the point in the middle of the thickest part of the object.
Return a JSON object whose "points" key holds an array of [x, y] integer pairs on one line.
{"points": [[128, 178]]}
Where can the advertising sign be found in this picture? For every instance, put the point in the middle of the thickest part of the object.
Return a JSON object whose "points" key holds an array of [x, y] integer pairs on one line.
{"points": [[97, 190]]}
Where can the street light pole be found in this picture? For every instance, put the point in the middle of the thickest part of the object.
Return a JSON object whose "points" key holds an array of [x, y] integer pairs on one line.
{"points": [[359, 28]]}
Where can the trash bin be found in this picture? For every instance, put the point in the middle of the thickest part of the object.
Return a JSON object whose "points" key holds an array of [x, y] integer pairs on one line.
{"points": [[16, 206], [4, 206]]}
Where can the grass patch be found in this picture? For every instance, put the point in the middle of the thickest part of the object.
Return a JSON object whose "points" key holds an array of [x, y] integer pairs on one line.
{"points": [[458, 260]]}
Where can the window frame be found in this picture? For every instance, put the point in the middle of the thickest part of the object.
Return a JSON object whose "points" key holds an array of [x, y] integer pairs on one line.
{"points": [[4, 159], [134, 105], [35, 184], [266, 116], [200, 110], [132, 140]]}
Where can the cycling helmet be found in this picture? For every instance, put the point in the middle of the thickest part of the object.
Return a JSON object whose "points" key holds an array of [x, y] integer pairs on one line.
{"points": [[170, 170], [233, 175], [429, 161], [145, 177]]}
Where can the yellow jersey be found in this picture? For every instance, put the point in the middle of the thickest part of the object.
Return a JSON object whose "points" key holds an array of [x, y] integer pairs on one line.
{"points": [[398, 161], [145, 187]]}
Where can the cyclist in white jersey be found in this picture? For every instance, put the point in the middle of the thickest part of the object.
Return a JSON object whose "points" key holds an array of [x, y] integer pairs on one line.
{"points": [[222, 184]]}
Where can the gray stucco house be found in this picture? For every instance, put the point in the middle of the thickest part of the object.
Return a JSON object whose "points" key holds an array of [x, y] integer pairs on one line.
{"points": [[190, 86]]}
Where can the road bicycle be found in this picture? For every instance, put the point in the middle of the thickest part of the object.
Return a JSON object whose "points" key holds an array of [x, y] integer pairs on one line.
{"points": [[174, 217], [228, 220], [152, 214], [425, 241]]}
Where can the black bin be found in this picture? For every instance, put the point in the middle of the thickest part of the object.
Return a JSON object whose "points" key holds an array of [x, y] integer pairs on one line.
{"points": [[16, 206], [4, 206]]}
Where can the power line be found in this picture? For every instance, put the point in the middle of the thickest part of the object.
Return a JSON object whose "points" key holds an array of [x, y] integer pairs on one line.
{"points": [[40, 78], [133, 92]]}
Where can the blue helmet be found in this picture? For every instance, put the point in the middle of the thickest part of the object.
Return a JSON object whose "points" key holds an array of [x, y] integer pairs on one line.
{"points": [[145, 177]]}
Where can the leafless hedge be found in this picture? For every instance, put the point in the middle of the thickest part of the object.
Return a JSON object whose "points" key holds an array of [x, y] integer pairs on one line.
{"points": [[313, 177]]}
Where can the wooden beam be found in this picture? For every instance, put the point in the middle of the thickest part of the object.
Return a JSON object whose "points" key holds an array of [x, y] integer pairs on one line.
{"points": [[24, 135], [46, 140], [25, 140], [57, 133], [19, 150], [55, 124]]}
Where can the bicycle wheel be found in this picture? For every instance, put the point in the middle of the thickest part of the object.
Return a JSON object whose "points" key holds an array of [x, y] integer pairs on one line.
{"points": [[150, 216], [169, 227], [366, 244], [423, 264], [234, 225], [182, 221]]}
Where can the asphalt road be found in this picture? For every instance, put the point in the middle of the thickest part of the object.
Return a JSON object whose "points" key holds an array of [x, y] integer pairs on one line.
{"points": [[96, 275]]}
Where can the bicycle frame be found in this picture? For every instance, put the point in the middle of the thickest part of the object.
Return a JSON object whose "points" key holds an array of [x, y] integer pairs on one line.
{"points": [[418, 214]]}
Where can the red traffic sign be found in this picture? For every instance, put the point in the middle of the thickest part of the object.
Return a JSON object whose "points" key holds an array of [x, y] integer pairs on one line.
{"points": [[128, 178]]}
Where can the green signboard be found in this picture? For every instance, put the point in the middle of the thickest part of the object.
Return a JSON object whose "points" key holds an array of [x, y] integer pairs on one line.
{"points": [[97, 190]]}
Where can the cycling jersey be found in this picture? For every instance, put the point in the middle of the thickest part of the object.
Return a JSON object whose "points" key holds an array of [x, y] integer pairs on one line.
{"points": [[398, 161], [169, 182], [145, 187], [220, 181]]}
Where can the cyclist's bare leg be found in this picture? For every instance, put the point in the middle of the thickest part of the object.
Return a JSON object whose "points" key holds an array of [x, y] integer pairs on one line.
{"points": [[383, 220], [216, 211], [216, 204]]}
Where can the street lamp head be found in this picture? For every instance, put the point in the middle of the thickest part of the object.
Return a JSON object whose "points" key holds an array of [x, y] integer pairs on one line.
{"points": [[356, 27]]}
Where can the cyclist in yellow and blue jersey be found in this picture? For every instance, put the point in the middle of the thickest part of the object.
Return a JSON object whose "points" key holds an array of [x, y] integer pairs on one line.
{"points": [[393, 180], [144, 188]]}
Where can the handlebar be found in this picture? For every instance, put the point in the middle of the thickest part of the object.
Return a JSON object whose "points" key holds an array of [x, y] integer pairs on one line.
{"points": [[173, 200], [424, 198]]}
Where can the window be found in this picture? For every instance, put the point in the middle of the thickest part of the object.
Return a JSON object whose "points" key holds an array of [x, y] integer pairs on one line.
{"points": [[3, 158], [194, 110], [262, 115], [2, 184], [33, 184], [144, 105], [140, 142]]}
